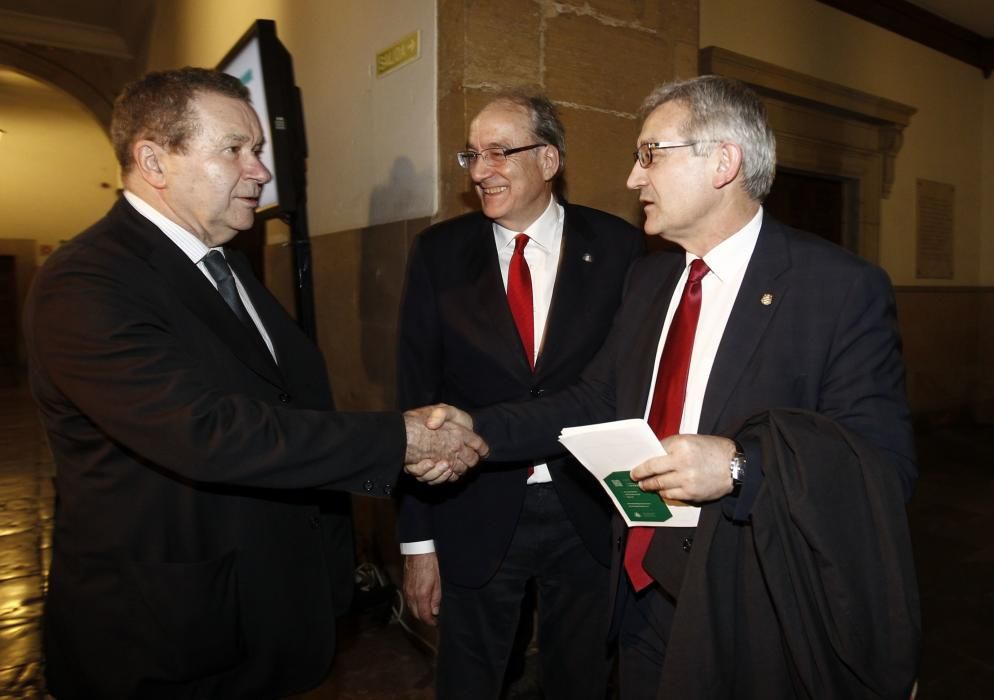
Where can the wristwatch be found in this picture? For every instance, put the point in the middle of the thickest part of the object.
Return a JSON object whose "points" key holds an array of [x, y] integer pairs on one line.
{"points": [[737, 467]]}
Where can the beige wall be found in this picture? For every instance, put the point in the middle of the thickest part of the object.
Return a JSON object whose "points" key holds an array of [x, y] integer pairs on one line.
{"points": [[944, 141], [372, 141], [944, 323], [57, 168]]}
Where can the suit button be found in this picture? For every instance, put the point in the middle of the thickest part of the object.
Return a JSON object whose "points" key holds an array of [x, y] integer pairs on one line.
{"points": [[315, 521], [618, 544], [284, 398], [368, 486], [687, 543], [537, 391], [387, 489]]}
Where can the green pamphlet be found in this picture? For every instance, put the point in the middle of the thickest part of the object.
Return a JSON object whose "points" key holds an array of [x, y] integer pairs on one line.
{"points": [[638, 505]]}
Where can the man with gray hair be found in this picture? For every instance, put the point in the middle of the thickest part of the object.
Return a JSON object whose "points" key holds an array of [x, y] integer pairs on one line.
{"points": [[768, 363], [504, 305]]}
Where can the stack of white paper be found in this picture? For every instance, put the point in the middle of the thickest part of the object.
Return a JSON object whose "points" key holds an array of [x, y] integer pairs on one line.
{"points": [[610, 451]]}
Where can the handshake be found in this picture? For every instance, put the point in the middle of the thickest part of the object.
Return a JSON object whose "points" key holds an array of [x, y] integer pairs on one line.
{"points": [[441, 444]]}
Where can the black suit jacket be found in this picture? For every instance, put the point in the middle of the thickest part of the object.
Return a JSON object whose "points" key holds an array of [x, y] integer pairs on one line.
{"points": [[187, 561], [459, 344], [827, 342]]}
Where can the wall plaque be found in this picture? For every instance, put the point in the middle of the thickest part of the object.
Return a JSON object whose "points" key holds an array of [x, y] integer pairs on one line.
{"points": [[934, 250]]}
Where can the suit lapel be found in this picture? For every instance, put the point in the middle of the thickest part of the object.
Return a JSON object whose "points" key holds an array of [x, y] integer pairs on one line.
{"points": [[188, 284], [261, 301], [489, 296], [577, 264], [633, 393], [193, 290], [748, 320]]}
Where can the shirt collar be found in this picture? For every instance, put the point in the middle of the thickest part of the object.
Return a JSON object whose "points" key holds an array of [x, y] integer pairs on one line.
{"points": [[546, 231], [729, 257], [192, 247]]}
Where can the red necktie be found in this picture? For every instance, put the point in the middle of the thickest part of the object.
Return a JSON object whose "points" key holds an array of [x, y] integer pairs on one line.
{"points": [[668, 397], [519, 297]]}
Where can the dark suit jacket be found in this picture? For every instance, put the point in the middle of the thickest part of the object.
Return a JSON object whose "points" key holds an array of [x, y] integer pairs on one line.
{"points": [[459, 344], [828, 342], [186, 561]]}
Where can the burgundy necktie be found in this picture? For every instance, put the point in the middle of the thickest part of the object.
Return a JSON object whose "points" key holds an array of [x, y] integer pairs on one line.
{"points": [[519, 297], [666, 409]]}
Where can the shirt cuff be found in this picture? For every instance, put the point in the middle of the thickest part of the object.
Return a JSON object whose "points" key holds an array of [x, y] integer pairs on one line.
{"points": [[422, 547]]}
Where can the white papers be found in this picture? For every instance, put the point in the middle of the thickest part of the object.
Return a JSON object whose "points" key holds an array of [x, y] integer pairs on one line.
{"points": [[609, 451]]}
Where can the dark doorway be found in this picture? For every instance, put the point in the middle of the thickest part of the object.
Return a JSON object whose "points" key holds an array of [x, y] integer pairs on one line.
{"points": [[8, 320], [822, 205]]}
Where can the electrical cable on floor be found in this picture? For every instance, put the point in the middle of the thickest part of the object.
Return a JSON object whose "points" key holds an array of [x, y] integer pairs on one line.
{"points": [[368, 579], [398, 617]]}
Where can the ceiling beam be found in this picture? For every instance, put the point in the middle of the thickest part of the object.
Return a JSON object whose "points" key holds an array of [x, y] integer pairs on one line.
{"points": [[923, 27]]}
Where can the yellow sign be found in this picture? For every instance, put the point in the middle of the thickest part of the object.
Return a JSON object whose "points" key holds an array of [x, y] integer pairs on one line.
{"points": [[401, 53]]}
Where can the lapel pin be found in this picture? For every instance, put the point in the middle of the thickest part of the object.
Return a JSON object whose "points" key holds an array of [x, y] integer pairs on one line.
{"points": [[587, 257], [766, 299]]}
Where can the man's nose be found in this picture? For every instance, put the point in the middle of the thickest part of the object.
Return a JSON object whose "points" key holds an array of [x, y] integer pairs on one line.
{"points": [[258, 171], [636, 178], [480, 168]]}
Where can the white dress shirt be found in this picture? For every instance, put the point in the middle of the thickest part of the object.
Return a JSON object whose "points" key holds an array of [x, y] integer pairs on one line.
{"points": [[728, 262], [542, 255], [196, 250]]}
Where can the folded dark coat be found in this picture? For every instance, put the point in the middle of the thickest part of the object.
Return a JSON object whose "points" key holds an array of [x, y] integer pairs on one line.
{"points": [[817, 597]]}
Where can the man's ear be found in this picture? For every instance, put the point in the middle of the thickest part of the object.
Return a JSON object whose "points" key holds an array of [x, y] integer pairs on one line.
{"points": [[150, 162], [550, 162], [729, 164]]}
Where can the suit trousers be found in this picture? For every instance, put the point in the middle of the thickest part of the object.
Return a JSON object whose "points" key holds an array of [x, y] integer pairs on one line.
{"points": [[646, 619], [647, 616], [477, 625]]}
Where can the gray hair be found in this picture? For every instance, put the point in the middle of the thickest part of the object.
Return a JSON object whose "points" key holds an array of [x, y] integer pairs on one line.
{"points": [[724, 109], [546, 123]]}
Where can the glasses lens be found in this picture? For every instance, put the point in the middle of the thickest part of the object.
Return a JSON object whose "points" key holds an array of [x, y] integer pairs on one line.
{"points": [[494, 156], [644, 155], [465, 158]]}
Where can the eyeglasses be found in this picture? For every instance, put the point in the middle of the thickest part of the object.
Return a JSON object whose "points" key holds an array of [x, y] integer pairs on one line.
{"points": [[644, 152], [492, 156]]}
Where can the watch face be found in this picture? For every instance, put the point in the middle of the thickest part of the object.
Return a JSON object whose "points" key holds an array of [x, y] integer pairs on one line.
{"points": [[737, 467]]}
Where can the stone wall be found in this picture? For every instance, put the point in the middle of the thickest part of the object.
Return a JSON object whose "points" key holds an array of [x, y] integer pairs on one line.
{"points": [[597, 60]]}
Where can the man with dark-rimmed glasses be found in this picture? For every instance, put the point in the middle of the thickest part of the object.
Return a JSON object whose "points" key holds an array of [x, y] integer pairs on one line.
{"points": [[504, 305]]}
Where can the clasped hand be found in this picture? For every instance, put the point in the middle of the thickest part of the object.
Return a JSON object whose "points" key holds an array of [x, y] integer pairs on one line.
{"points": [[441, 444]]}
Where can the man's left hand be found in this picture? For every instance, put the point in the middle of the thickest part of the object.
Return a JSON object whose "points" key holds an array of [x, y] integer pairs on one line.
{"points": [[695, 468]]}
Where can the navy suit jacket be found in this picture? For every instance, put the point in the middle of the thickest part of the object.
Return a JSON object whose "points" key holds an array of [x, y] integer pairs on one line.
{"points": [[458, 344], [187, 560], [827, 342]]}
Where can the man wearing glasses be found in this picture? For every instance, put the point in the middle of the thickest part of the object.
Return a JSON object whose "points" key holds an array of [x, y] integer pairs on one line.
{"points": [[505, 305], [768, 363]]}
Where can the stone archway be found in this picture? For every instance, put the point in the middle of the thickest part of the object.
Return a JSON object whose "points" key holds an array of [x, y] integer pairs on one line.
{"points": [[91, 79]]}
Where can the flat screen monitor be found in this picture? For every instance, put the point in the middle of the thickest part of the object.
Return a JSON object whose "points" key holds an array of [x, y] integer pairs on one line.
{"points": [[265, 67]]}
